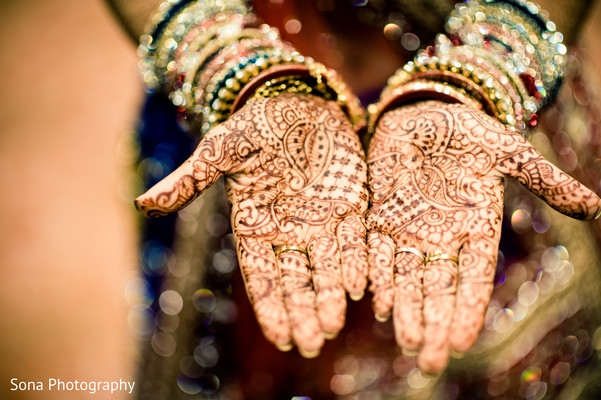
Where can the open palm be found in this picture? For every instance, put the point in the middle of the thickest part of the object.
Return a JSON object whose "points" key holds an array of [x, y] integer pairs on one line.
{"points": [[436, 177], [296, 181]]}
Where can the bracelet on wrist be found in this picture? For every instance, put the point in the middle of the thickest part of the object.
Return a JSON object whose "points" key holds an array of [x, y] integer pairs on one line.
{"points": [[203, 53], [504, 55]]}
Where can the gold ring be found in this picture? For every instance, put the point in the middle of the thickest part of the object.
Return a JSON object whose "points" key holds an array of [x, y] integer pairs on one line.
{"points": [[439, 255], [286, 247], [412, 250]]}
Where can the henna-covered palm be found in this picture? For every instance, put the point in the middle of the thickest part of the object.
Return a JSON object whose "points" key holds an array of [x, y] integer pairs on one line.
{"points": [[295, 174], [436, 177]]}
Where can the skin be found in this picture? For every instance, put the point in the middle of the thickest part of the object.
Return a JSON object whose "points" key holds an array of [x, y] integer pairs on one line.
{"points": [[436, 175], [295, 174]]}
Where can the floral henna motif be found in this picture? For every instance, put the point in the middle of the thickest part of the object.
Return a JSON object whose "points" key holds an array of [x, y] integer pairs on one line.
{"points": [[295, 175], [436, 180]]}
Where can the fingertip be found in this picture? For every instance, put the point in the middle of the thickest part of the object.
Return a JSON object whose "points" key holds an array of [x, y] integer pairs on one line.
{"points": [[331, 335], [433, 362], [381, 318], [308, 353], [147, 207], [284, 347], [357, 295], [457, 354], [461, 343]]}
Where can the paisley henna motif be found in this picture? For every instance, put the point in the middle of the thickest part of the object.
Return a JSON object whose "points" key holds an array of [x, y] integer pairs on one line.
{"points": [[436, 179], [295, 174]]}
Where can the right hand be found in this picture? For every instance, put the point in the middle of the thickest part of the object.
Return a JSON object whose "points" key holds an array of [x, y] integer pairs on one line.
{"points": [[295, 175]]}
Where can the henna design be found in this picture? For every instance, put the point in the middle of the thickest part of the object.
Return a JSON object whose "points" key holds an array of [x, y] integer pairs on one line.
{"points": [[436, 179], [295, 174]]}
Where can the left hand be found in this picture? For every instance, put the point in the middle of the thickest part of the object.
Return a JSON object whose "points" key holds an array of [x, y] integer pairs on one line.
{"points": [[436, 179]]}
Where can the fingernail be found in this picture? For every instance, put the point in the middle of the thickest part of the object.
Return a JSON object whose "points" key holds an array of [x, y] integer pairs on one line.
{"points": [[284, 347], [381, 318], [330, 336], [308, 354], [410, 353], [430, 375], [457, 354], [356, 296]]}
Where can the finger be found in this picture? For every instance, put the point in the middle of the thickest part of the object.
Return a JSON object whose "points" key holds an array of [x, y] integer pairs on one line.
{"points": [[188, 181], [299, 299], [261, 278], [408, 300], [351, 237], [559, 190], [324, 256], [477, 264], [440, 283], [381, 256]]}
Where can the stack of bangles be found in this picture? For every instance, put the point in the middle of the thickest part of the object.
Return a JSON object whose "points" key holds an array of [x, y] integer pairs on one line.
{"points": [[211, 58], [502, 57]]}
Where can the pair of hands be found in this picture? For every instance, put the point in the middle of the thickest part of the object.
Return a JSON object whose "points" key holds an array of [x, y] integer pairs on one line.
{"points": [[296, 179]]}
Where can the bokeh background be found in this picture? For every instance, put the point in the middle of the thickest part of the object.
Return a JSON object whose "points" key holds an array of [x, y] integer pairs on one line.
{"points": [[69, 100]]}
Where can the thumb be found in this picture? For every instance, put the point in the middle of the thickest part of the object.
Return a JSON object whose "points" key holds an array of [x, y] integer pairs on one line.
{"points": [[188, 181], [547, 181]]}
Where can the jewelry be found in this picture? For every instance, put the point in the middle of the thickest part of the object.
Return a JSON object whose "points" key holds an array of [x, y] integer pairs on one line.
{"points": [[283, 248], [439, 255], [412, 250], [203, 53], [503, 54]]}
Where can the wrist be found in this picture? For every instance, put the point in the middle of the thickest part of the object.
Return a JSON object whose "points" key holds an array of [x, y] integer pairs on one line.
{"points": [[504, 56]]}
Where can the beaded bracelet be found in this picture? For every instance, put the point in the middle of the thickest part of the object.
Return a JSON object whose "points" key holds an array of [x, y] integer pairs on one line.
{"points": [[504, 55], [203, 54]]}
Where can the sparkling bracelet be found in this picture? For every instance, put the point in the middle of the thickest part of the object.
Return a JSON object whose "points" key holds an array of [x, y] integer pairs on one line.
{"points": [[504, 55], [203, 53]]}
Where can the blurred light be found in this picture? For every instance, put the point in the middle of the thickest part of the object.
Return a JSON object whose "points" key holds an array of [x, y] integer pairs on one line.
{"points": [[167, 323], [410, 41], [163, 344], [531, 374], [503, 320], [520, 221], [171, 302], [217, 224], [188, 386], [536, 391], [140, 320], [137, 291], [519, 310], [293, 26], [348, 365], [224, 261], [204, 300], [393, 31], [416, 380], [225, 310], [528, 293], [206, 355], [342, 384], [559, 373]]}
